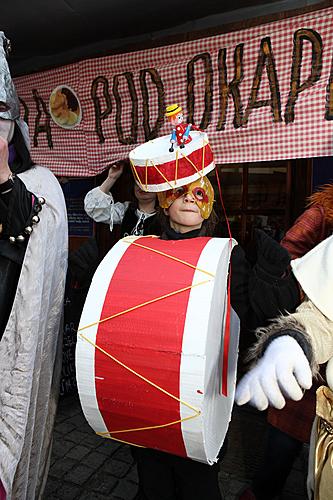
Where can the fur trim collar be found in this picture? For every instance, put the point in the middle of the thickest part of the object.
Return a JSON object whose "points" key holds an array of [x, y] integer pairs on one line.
{"points": [[277, 327]]}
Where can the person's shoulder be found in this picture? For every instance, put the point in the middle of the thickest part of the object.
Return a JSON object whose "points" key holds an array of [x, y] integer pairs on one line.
{"points": [[41, 173], [237, 253], [36, 176], [42, 182], [313, 214]]}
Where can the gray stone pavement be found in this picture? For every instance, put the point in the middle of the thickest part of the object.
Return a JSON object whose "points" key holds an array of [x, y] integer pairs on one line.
{"points": [[85, 466]]}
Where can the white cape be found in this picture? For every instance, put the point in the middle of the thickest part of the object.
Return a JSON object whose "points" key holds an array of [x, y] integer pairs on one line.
{"points": [[30, 346], [314, 272]]}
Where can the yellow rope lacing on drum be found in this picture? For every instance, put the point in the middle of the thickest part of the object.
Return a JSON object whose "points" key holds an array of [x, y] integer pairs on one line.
{"points": [[196, 411], [203, 155], [193, 165], [156, 299], [129, 239], [161, 174], [137, 176]]}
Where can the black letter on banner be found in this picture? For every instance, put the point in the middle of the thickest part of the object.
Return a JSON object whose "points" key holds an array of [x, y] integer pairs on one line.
{"points": [[156, 79], [42, 128], [329, 97], [231, 88], [266, 58], [208, 89], [99, 114], [316, 66], [26, 111], [134, 126]]}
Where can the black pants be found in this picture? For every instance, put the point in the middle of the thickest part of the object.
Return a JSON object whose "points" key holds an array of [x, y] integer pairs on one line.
{"points": [[280, 454], [168, 477]]}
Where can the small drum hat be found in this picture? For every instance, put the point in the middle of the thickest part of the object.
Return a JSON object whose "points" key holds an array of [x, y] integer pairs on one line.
{"points": [[150, 343], [157, 169]]}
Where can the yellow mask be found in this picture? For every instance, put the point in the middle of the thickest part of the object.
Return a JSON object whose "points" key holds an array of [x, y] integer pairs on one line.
{"points": [[201, 190]]}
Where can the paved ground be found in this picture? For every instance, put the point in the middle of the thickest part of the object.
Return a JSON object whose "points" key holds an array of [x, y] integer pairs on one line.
{"points": [[86, 466]]}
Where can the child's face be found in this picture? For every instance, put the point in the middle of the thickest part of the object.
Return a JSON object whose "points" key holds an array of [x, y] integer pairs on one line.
{"points": [[184, 214], [201, 191], [143, 196]]}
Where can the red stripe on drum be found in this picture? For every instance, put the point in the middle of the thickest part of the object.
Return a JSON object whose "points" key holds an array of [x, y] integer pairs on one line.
{"points": [[148, 340]]}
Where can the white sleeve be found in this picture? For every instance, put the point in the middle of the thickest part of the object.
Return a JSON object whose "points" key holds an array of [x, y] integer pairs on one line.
{"points": [[102, 208]]}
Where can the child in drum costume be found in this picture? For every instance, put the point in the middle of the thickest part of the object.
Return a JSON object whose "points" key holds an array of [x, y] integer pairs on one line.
{"points": [[187, 211]]}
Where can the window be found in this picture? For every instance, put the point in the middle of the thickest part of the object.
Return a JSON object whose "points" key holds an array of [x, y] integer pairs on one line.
{"points": [[259, 195]]}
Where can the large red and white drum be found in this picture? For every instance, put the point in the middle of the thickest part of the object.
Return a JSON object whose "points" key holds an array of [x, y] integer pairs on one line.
{"points": [[150, 346], [157, 169]]}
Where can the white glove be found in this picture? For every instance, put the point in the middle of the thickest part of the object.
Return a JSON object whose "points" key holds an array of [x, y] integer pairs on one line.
{"points": [[282, 371]]}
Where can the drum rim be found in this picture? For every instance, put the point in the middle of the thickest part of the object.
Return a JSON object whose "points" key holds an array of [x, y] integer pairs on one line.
{"points": [[165, 186]]}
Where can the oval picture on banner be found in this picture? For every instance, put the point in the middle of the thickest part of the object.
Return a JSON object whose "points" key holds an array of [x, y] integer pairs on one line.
{"points": [[65, 107]]}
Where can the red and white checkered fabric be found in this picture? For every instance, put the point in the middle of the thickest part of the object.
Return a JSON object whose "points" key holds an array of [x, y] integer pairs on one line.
{"points": [[78, 152]]}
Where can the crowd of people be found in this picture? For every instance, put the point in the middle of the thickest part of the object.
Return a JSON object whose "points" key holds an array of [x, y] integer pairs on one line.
{"points": [[33, 262]]}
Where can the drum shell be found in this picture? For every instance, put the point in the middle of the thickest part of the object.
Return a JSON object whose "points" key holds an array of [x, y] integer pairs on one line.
{"points": [[174, 343]]}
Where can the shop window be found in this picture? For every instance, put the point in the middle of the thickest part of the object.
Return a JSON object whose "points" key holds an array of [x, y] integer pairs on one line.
{"points": [[260, 195]]}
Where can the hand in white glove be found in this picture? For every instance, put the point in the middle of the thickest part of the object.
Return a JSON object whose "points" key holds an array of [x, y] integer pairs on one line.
{"points": [[282, 371]]}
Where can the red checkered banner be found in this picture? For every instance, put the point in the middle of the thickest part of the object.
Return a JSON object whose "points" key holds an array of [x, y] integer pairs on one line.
{"points": [[261, 94]]}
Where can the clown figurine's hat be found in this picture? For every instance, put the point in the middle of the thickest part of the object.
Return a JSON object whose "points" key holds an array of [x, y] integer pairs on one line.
{"points": [[157, 167], [172, 110]]}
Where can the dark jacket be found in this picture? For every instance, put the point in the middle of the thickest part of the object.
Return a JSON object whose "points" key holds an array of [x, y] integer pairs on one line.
{"points": [[261, 292], [150, 225]]}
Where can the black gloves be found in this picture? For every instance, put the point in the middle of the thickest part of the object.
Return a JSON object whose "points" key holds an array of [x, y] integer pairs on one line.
{"points": [[83, 262], [272, 259], [273, 288]]}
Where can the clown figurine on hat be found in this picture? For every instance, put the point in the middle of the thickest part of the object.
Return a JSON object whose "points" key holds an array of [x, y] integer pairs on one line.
{"points": [[181, 131]]}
